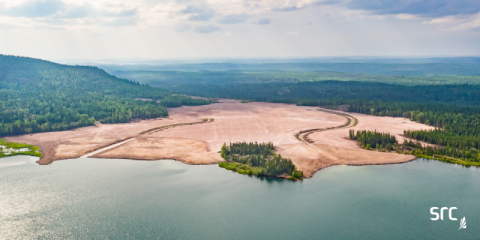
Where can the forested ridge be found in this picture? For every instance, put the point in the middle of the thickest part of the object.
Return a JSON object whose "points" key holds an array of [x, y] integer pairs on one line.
{"points": [[39, 96]]}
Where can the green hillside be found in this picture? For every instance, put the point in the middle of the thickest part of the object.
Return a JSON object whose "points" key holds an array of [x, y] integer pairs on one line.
{"points": [[39, 96]]}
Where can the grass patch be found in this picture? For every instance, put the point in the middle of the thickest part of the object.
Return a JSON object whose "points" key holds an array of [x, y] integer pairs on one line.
{"points": [[449, 160], [8, 149], [241, 168]]}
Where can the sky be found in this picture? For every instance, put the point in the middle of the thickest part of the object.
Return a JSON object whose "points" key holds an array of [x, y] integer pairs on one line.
{"points": [[170, 29]]}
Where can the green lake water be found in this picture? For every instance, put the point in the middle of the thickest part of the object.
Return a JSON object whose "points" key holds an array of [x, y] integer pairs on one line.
{"points": [[125, 199]]}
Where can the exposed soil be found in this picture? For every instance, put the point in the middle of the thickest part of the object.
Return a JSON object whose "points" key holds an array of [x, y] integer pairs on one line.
{"points": [[233, 122]]}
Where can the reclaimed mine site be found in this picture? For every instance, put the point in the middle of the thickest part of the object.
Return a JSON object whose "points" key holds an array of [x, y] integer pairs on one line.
{"points": [[313, 138]]}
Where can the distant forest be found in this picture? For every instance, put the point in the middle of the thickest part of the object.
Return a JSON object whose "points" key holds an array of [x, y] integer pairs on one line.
{"points": [[379, 67], [177, 80], [39, 96], [464, 94]]}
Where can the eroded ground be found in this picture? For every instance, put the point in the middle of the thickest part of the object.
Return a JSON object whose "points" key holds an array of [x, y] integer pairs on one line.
{"points": [[233, 122]]}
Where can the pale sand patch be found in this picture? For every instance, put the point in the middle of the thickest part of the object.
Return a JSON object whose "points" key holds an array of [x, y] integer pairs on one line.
{"points": [[78, 142], [250, 122], [394, 126], [148, 148], [311, 158], [233, 122]]}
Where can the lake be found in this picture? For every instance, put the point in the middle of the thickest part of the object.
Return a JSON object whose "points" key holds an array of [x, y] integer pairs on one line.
{"points": [[126, 199]]}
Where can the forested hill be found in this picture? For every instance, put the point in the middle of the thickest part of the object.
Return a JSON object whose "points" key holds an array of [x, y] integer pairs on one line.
{"points": [[38, 96]]}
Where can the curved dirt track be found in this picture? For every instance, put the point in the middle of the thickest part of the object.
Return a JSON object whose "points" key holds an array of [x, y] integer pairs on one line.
{"points": [[303, 135], [233, 122]]}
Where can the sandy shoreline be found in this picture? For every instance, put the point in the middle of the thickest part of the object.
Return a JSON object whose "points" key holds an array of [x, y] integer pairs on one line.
{"points": [[234, 122]]}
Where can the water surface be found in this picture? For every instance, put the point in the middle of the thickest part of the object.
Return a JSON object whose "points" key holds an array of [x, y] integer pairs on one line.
{"points": [[125, 199]]}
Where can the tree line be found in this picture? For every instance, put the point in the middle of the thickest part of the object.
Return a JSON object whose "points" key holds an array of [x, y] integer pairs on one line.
{"points": [[373, 140]]}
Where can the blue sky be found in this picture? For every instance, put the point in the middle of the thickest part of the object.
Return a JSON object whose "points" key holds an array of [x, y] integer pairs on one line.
{"points": [[97, 29]]}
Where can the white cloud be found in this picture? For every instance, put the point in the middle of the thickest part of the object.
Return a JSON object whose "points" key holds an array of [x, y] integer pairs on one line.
{"points": [[308, 23], [263, 21], [292, 33], [233, 18], [206, 29], [456, 23]]}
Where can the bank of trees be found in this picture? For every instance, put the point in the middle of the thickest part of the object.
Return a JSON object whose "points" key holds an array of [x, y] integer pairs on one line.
{"points": [[257, 159], [39, 96], [373, 140]]}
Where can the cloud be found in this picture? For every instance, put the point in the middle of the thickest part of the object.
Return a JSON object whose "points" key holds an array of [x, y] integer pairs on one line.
{"points": [[121, 13], [57, 9], [234, 18], [423, 8], [33, 9], [206, 29], [308, 23], [227, 34], [285, 9], [293, 5], [292, 33], [81, 11], [182, 27], [176, 14], [120, 22], [263, 21], [449, 14], [199, 13]]}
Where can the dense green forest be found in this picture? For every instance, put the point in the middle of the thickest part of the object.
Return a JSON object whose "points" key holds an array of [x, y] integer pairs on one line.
{"points": [[39, 96], [463, 94], [257, 159]]}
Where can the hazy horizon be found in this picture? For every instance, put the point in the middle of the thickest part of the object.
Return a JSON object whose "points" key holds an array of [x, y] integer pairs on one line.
{"points": [[265, 60]]}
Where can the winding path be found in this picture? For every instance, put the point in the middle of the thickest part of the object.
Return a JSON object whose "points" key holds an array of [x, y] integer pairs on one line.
{"points": [[303, 135]]}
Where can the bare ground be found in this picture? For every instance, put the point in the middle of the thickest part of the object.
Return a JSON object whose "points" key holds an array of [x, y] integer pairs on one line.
{"points": [[233, 122]]}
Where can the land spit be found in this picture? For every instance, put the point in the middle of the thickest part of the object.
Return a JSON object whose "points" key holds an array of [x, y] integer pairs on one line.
{"points": [[228, 121]]}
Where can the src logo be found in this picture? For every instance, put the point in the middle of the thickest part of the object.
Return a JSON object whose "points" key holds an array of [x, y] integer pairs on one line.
{"points": [[463, 222]]}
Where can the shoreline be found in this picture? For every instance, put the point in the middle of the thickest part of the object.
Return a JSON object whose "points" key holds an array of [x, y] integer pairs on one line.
{"points": [[207, 164], [185, 137]]}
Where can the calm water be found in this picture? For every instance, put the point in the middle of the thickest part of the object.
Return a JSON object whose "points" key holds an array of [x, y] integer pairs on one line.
{"points": [[122, 199]]}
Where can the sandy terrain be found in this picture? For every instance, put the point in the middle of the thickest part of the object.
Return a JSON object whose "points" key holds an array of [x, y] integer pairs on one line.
{"points": [[233, 121], [78, 142]]}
